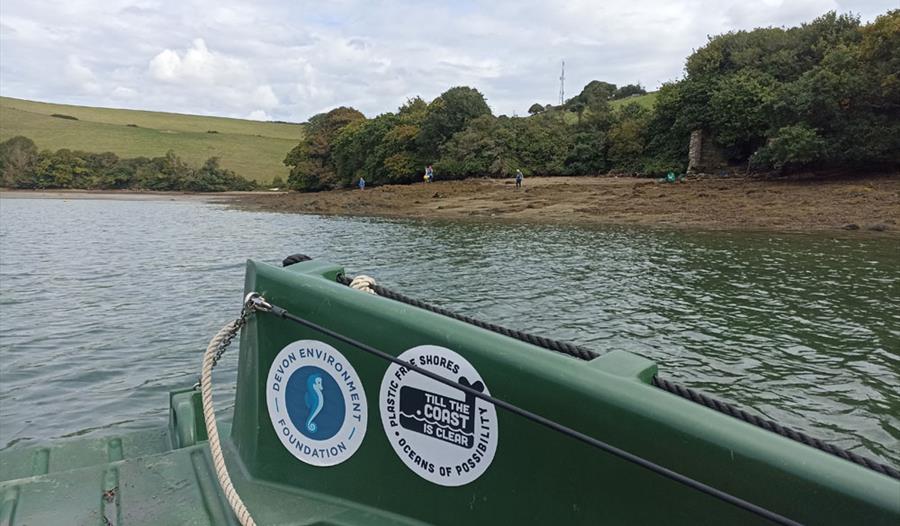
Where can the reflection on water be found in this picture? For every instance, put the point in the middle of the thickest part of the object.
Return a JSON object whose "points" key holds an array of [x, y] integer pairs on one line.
{"points": [[106, 306]]}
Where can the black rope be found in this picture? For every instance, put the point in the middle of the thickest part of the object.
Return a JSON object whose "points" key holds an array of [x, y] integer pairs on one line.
{"points": [[771, 425], [569, 349], [684, 392], [538, 419]]}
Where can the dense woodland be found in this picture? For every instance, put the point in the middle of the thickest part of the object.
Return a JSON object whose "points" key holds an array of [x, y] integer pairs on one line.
{"points": [[825, 94], [23, 166]]}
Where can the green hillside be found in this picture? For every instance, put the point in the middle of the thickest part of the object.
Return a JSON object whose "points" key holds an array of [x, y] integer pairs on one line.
{"points": [[253, 149], [646, 100]]}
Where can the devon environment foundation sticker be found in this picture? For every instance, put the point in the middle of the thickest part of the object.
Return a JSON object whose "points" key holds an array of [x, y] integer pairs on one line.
{"points": [[316, 403], [442, 434]]}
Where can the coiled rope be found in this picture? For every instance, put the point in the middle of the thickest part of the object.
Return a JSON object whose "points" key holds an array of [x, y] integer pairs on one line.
{"points": [[363, 284], [214, 351], [582, 353]]}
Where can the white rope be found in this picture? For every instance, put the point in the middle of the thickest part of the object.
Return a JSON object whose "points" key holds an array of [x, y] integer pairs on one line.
{"points": [[363, 283], [209, 415]]}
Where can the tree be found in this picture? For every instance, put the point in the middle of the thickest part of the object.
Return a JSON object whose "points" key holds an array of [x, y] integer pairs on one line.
{"points": [[826, 91], [535, 109], [595, 90], [67, 169], [311, 163], [738, 111], [483, 148], [667, 132], [626, 138], [449, 114], [795, 145], [497, 147], [360, 151], [24, 167], [211, 177], [413, 111], [577, 107], [628, 90], [18, 157], [541, 144], [121, 175], [168, 173]]}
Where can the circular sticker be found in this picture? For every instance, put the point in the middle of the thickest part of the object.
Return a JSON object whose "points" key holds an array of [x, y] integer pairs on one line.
{"points": [[316, 403], [443, 434]]}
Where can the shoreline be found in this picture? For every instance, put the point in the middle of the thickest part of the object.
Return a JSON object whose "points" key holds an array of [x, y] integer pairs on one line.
{"points": [[857, 204], [867, 203]]}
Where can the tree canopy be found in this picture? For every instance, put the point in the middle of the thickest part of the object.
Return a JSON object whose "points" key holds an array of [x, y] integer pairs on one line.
{"points": [[825, 92], [311, 162], [449, 114], [821, 93]]}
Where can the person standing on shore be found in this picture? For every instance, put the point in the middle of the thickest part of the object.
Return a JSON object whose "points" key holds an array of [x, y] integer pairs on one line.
{"points": [[362, 183], [429, 174], [519, 178]]}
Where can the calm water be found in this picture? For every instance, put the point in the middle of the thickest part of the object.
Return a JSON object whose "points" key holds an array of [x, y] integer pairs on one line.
{"points": [[106, 305]]}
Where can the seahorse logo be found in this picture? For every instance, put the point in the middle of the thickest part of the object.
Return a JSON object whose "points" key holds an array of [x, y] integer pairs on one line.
{"points": [[314, 399]]}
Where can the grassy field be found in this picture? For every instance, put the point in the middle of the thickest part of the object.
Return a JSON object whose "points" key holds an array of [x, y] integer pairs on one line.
{"points": [[253, 149], [645, 100]]}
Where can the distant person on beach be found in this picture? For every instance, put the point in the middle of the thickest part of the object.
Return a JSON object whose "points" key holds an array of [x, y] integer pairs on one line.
{"points": [[519, 178], [429, 174], [362, 183]]}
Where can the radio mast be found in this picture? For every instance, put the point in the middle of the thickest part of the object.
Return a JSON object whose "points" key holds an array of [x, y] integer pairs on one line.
{"points": [[562, 84]]}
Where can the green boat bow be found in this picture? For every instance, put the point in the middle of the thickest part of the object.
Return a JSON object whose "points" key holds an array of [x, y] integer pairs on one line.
{"points": [[324, 432]]}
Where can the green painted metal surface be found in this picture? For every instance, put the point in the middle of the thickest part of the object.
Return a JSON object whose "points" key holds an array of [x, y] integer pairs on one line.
{"points": [[537, 476]]}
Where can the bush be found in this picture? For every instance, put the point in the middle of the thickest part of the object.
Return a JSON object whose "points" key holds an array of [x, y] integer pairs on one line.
{"points": [[63, 116], [795, 145]]}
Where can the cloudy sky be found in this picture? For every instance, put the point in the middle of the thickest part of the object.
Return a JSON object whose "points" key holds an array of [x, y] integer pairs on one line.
{"points": [[291, 59]]}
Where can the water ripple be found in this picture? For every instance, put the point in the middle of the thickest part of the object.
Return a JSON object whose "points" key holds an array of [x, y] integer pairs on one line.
{"points": [[105, 306]]}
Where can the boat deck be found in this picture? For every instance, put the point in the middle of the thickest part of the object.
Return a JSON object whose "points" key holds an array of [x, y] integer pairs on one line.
{"points": [[151, 478]]}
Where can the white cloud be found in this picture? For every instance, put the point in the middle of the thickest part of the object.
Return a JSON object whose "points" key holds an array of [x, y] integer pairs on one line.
{"points": [[81, 76], [289, 59], [121, 92], [197, 64], [166, 65], [264, 97], [259, 115]]}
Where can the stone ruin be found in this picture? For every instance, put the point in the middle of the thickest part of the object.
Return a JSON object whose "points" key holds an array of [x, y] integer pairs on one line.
{"points": [[703, 154]]}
